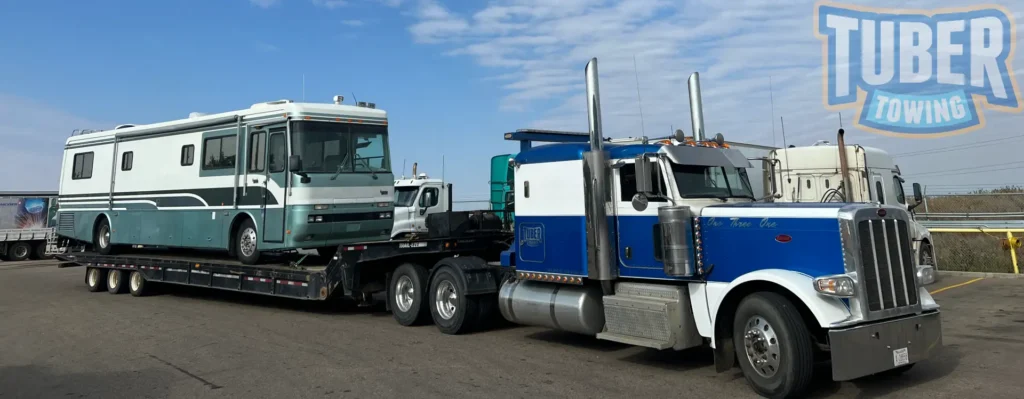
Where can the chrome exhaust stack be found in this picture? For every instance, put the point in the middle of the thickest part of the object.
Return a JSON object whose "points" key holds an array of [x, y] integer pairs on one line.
{"points": [[600, 259], [696, 108]]}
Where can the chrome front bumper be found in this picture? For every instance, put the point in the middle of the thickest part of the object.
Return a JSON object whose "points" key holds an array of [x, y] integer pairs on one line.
{"points": [[873, 348]]}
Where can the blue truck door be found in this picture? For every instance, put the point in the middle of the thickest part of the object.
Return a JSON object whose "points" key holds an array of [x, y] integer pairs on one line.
{"points": [[635, 229]]}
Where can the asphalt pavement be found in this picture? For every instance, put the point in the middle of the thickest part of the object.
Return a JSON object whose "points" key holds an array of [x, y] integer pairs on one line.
{"points": [[59, 340]]}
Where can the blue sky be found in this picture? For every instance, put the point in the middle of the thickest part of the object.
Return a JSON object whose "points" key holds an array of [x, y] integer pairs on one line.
{"points": [[453, 75]]}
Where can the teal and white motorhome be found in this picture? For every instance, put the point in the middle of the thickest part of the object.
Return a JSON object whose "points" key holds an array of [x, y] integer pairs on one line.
{"points": [[277, 176]]}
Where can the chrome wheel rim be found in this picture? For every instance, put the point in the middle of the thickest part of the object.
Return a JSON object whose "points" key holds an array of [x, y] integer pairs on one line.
{"points": [[112, 278], [21, 251], [136, 281], [446, 299], [404, 293], [247, 242], [761, 345], [94, 277], [104, 236]]}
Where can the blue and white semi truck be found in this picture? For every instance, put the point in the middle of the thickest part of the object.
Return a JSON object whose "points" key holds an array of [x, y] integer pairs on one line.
{"points": [[656, 245]]}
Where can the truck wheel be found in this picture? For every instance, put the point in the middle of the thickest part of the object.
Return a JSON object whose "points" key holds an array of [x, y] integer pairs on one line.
{"points": [[246, 243], [452, 310], [773, 345], [96, 279], [408, 295], [101, 238], [115, 281], [40, 251], [137, 284], [19, 251]]}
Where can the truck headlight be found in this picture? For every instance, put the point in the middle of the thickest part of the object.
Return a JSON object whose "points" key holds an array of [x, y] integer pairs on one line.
{"points": [[925, 274], [842, 286]]}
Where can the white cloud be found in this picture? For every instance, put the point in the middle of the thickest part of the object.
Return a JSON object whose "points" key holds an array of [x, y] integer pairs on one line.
{"points": [[330, 4], [264, 3], [537, 50], [34, 136], [353, 22]]}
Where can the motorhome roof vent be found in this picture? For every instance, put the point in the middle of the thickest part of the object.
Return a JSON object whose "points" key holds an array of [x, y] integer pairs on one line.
{"points": [[822, 142], [270, 104], [193, 115], [124, 126]]}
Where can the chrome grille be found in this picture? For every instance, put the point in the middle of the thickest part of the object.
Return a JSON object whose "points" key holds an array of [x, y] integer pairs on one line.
{"points": [[887, 271]]}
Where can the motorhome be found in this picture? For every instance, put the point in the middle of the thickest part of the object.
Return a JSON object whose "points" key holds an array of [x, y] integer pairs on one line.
{"points": [[277, 176]]}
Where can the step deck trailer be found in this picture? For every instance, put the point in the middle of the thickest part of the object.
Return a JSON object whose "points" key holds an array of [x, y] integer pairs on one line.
{"points": [[461, 269]]}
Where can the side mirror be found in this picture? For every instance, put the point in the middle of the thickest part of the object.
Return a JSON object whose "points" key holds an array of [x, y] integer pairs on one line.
{"points": [[294, 164], [423, 211], [639, 202], [644, 184], [918, 194]]}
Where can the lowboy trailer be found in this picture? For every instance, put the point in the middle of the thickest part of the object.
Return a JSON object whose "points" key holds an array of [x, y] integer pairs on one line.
{"points": [[660, 245]]}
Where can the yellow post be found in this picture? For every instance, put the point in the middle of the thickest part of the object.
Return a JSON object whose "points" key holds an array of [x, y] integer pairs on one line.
{"points": [[1013, 252]]}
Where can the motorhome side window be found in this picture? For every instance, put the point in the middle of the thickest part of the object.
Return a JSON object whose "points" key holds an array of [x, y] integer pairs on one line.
{"points": [[627, 182], [278, 153], [219, 152], [82, 166], [188, 154], [126, 161], [257, 152]]}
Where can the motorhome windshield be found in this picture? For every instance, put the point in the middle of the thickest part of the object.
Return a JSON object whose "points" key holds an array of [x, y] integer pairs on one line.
{"points": [[405, 196], [698, 181], [327, 147]]}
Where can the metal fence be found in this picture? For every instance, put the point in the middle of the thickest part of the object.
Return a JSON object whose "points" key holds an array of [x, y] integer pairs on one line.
{"points": [[978, 249]]}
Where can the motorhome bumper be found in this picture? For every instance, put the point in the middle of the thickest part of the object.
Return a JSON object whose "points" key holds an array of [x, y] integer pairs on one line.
{"points": [[873, 348]]}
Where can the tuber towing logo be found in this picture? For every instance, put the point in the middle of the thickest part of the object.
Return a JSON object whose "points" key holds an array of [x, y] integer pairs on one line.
{"points": [[918, 73]]}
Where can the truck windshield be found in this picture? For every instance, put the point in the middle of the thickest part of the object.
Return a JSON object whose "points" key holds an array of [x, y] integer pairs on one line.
{"points": [[327, 147], [698, 181], [404, 196]]}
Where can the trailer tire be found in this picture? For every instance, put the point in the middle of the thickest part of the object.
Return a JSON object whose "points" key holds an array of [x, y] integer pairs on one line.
{"points": [[116, 281], [19, 251], [408, 295], [95, 279], [247, 232], [137, 284], [768, 326], [452, 310], [39, 252]]}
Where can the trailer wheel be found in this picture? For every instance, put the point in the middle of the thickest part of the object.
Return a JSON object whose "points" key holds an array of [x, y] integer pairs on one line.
{"points": [[773, 345], [101, 237], [137, 284], [96, 279], [452, 310], [116, 281], [40, 251], [408, 295], [19, 251], [246, 242]]}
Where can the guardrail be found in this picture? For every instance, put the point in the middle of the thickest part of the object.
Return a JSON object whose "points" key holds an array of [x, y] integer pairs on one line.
{"points": [[977, 246]]}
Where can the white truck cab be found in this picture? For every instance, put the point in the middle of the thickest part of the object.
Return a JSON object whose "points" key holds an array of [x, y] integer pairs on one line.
{"points": [[814, 174], [415, 199]]}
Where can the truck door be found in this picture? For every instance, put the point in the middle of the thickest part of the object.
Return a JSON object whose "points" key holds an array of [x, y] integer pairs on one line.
{"points": [[276, 185], [635, 229], [405, 209], [429, 200]]}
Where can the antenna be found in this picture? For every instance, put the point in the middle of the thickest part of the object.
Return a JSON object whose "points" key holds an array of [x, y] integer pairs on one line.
{"points": [[771, 95], [403, 169], [303, 87], [442, 169], [840, 120], [354, 100], [638, 101], [789, 175]]}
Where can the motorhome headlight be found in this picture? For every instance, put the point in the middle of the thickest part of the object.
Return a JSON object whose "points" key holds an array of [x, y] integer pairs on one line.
{"points": [[320, 207], [842, 286], [315, 218], [385, 215]]}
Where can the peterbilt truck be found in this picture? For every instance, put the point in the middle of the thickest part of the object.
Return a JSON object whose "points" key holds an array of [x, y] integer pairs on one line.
{"points": [[658, 245]]}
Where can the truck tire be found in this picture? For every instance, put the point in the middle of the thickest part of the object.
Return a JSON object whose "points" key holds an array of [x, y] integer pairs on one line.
{"points": [[101, 237], [773, 345], [19, 251], [116, 281], [453, 312], [137, 284], [40, 251], [246, 242], [95, 279], [408, 295]]}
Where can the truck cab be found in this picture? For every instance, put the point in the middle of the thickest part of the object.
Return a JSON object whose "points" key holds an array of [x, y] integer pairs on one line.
{"points": [[813, 174], [415, 199]]}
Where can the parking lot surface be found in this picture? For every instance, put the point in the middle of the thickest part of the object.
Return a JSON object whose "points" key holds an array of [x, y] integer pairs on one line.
{"points": [[59, 340]]}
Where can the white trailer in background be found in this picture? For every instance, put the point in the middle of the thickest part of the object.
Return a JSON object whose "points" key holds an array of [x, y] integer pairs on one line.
{"points": [[26, 224]]}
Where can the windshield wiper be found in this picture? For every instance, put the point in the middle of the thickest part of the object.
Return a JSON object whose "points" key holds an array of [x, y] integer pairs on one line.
{"points": [[373, 173], [338, 172]]}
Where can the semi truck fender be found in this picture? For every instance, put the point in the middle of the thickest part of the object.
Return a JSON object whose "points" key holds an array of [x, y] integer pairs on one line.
{"points": [[475, 273]]}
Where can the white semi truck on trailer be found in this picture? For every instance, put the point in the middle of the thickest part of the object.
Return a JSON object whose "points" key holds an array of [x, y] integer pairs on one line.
{"points": [[656, 245]]}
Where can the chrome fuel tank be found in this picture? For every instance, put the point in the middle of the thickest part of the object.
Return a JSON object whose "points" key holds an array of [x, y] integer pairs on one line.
{"points": [[564, 307]]}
